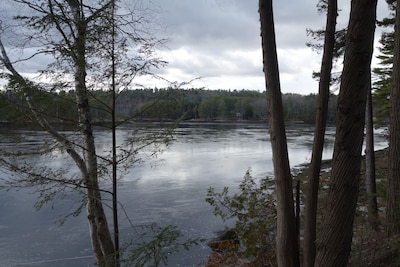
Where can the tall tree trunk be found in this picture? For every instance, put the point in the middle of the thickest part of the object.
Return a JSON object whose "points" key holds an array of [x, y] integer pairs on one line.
{"points": [[310, 219], [337, 228], [393, 182], [287, 247], [100, 235], [102, 243], [114, 142], [370, 179]]}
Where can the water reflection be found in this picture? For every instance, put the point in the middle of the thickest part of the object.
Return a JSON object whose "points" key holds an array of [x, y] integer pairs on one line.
{"points": [[172, 191]]}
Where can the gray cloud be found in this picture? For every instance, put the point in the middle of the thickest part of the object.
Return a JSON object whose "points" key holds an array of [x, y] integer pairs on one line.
{"points": [[220, 41], [209, 24]]}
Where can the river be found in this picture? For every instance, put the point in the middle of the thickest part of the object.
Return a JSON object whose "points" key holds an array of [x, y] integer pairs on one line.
{"points": [[167, 189]]}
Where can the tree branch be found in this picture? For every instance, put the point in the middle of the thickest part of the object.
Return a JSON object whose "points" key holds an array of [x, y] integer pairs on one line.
{"points": [[24, 84]]}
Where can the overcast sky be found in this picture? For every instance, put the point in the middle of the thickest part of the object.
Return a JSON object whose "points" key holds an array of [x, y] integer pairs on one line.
{"points": [[219, 41]]}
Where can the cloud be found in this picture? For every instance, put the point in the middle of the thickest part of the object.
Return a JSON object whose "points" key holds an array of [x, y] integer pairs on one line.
{"points": [[210, 25], [233, 62], [219, 40]]}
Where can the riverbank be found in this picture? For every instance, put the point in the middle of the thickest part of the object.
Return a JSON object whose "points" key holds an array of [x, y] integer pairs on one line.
{"points": [[369, 247]]}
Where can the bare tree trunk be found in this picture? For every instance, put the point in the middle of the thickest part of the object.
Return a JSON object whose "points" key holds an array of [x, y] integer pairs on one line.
{"points": [[114, 143], [337, 228], [100, 236], [102, 243], [393, 182], [370, 183], [287, 247], [310, 217]]}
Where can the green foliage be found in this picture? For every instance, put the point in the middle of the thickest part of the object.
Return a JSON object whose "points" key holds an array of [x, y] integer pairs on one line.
{"points": [[303, 108], [253, 209], [162, 109], [153, 245], [54, 107], [318, 37], [382, 84], [8, 112], [159, 105], [230, 105]]}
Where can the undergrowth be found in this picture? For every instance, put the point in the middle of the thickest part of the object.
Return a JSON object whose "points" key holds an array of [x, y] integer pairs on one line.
{"points": [[253, 209]]}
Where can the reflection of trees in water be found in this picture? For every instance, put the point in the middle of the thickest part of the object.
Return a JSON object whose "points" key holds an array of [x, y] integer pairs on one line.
{"points": [[197, 160]]}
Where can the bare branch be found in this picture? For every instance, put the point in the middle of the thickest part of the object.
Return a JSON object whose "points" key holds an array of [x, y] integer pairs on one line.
{"points": [[24, 84]]}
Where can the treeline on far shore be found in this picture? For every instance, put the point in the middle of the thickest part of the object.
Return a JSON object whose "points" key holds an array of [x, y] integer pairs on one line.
{"points": [[164, 104]]}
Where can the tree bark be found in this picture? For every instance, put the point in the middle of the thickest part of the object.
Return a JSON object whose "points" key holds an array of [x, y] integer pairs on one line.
{"points": [[310, 218], [393, 182], [114, 141], [370, 179], [102, 243], [287, 247], [337, 228]]}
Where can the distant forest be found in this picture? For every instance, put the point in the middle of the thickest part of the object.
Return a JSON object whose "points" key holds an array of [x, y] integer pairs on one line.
{"points": [[166, 104]]}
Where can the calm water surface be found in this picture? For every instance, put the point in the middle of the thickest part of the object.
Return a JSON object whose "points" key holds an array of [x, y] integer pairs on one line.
{"points": [[169, 189]]}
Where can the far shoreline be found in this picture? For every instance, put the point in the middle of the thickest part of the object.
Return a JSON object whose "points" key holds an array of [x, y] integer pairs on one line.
{"points": [[61, 125]]}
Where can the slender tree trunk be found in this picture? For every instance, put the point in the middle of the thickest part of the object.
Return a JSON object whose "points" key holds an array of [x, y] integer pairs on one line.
{"points": [[100, 235], [393, 182], [102, 243], [310, 219], [337, 228], [370, 183], [287, 247], [114, 144]]}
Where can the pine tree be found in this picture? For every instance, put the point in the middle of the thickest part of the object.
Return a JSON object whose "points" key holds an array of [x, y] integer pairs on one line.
{"points": [[383, 73]]}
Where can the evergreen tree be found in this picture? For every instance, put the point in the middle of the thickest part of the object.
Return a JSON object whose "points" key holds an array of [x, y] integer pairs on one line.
{"points": [[383, 73]]}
